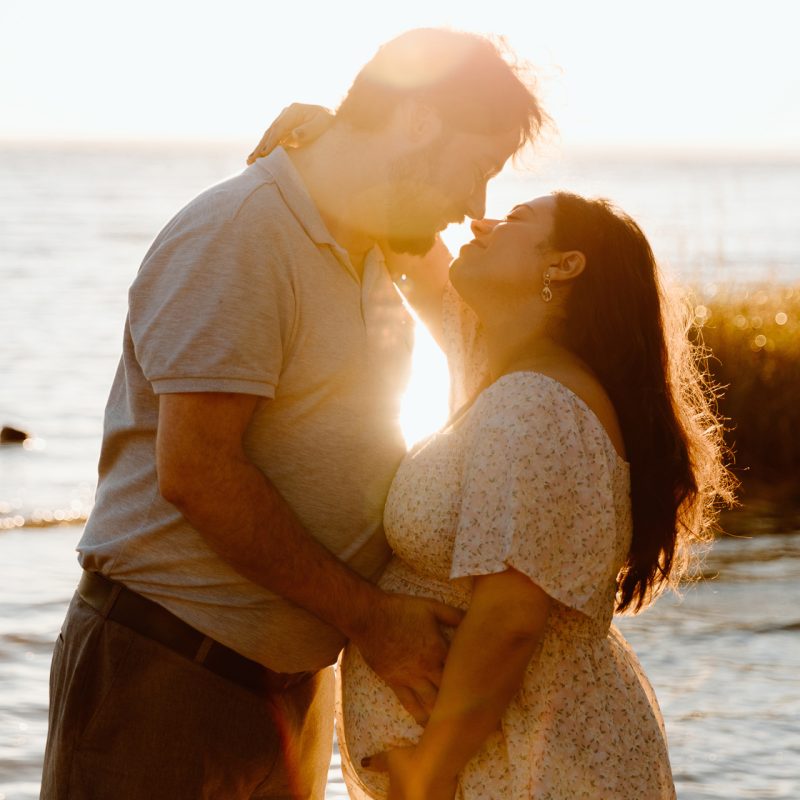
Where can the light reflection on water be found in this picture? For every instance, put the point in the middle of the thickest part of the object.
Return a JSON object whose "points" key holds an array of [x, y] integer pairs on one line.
{"points": [[724, 661]]}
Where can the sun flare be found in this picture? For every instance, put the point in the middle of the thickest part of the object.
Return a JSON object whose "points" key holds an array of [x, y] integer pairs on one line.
{"points": [[424, 406]]}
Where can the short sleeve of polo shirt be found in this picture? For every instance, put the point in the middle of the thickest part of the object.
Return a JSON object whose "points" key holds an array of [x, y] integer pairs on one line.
{"points": [[210, 307]]}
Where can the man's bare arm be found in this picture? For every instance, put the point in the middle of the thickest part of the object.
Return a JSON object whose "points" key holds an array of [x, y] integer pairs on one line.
{"points": [[203, 470]]}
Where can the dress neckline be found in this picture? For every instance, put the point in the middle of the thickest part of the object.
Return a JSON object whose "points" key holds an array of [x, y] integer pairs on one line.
{"points": [[579, 401]]}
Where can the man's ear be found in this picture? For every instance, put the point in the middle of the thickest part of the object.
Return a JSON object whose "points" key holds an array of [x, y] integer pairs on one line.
{"points": [[419, 122], [571, 263]]}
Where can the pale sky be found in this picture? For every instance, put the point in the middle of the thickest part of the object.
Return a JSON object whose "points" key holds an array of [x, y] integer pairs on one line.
{"points": [[701, 74]]}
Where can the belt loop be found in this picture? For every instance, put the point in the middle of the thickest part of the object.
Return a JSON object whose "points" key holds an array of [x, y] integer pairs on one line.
{"points": [[111, 599], [202, 651]]}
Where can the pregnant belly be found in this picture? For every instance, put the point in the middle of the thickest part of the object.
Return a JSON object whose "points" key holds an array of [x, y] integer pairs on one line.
{"points": [[370, 718], [401, 578]]}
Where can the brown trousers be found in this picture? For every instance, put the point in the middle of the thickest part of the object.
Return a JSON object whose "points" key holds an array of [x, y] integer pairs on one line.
{"points": [[131, 720]]}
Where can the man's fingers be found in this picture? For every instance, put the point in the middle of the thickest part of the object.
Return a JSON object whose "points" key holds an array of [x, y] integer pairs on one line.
{"points": [[411, 703], [376, 763]]}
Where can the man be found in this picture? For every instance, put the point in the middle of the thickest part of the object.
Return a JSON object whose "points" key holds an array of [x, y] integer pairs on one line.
{"points": [[250, 438]]}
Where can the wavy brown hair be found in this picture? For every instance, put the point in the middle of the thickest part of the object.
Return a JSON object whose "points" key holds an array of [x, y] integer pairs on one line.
{"points": [[618, 319]]}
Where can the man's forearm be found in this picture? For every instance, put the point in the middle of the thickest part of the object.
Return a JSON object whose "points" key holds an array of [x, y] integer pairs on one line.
{"points": [[249, 525], [204, 472]]}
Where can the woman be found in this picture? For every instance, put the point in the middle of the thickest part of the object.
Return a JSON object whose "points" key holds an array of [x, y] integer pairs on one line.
{"points": [[570, 488]]}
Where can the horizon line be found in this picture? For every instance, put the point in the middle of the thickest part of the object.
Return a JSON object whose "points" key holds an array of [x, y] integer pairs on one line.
{"points": [[548, 151]]}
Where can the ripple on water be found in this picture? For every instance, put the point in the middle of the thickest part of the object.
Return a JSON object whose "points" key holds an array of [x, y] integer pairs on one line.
{"points": [[723, 659]]}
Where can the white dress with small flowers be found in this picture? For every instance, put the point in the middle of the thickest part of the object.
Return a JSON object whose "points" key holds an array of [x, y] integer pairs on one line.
{"points": [[528, 479]]}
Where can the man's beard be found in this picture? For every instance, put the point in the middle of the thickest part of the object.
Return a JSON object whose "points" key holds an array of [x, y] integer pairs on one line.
{"points": [[414, 246], [411, 175]]}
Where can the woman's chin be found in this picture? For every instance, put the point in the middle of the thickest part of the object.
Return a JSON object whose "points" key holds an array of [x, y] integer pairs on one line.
{"points": [[464, 283]]}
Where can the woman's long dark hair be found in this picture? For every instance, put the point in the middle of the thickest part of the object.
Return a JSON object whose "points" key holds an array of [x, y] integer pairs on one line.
{"points": [[618, 320]]}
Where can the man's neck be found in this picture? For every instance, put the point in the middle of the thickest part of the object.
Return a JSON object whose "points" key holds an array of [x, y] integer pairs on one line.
{"points": [[339, 183]]}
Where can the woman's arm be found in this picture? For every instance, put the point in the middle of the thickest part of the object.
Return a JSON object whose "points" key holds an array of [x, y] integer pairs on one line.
{"points": [[422, 280], [485, 666]]}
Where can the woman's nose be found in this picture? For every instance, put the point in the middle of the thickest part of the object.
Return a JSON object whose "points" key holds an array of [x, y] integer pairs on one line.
{"points": [[482, 227]]}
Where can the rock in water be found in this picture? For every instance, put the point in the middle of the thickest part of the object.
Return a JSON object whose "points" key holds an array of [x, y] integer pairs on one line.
{"points": [[9, 435]]}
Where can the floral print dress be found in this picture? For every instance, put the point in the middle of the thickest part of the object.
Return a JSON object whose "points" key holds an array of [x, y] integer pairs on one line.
{"points": [[528, 479]]}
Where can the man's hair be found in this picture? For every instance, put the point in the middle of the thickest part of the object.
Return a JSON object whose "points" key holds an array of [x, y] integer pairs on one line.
{"points": [[464, 77]]}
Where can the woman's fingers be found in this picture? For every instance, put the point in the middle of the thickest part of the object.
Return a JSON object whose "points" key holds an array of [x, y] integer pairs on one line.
{"points": [[425, 692], [411, 703], [418, 699], [270, 138], [377, 763], [281, 125], [296, 124], [317, 121], [447, 615]]}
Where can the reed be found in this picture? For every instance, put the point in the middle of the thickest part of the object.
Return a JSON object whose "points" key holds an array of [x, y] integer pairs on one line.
{"points": [[753, 337]]}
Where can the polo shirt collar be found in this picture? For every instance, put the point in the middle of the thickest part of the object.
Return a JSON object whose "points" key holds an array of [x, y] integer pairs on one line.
{"points": [[281, 170]]}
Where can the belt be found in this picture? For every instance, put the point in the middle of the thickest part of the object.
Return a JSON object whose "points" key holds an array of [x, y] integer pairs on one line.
{"points": [[118, 603]]}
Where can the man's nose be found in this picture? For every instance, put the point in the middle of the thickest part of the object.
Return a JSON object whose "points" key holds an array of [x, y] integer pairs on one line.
{"points": [[476, 205]]}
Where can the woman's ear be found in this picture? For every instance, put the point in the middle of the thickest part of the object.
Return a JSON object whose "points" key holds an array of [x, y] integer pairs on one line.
{"points": [[570, 264]]}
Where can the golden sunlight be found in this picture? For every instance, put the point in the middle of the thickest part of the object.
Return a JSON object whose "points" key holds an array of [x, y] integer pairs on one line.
{"points": [[407, 62], [424, 405]]}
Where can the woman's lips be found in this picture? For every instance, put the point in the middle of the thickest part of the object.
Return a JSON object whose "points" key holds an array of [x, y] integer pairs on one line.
{"points": [[473, 243]]}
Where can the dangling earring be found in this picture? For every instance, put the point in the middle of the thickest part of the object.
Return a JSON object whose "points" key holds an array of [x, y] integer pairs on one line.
{"points": [[547, 293]]}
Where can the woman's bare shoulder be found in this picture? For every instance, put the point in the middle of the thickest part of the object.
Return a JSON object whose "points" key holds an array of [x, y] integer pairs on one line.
{"points": [[585, 385]]}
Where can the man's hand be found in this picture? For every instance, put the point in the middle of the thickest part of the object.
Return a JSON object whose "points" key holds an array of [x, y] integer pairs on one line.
{"points": [[401, 640], [204, 471]]}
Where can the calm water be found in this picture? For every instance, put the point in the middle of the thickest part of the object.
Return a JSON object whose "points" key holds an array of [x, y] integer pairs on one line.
{"points": [[74, 224]]}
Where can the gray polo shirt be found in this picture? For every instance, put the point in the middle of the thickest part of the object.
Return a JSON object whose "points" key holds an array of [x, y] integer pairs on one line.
{"points": [[245, 291]]}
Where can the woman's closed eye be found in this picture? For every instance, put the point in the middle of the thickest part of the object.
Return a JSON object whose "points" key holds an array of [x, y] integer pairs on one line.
{"points": [[517, 214]]}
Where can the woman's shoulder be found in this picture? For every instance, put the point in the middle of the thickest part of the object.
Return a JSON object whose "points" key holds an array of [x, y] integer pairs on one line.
{"points": [[552, 400]]}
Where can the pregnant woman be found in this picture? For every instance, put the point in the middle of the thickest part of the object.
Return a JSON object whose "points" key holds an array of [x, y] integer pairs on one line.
{"points": [[570, 488]]}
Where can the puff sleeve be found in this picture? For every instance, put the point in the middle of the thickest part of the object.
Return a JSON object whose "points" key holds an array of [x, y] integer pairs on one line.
{"points": [[538, 493]]}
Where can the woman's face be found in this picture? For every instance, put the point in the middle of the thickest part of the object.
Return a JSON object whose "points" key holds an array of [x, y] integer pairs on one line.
{"points": [[507, 258]]}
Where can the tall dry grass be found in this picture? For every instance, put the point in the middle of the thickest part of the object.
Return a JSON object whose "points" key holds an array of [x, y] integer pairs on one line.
{"points": [[754, 339]]}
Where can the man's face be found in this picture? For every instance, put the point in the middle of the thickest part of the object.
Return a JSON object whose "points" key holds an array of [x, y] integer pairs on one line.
{"points": [[442, 183]]}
